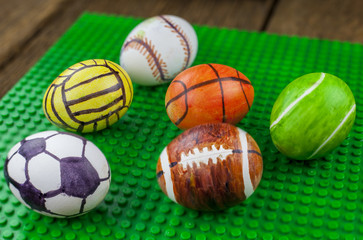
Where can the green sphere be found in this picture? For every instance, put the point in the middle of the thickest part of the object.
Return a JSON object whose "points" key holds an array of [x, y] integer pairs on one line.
{"points": [[312, 116]]}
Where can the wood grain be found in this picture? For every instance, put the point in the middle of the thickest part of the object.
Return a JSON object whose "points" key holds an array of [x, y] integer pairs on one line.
{"points": [[329, 19], [23, 19], [247, 14], [56, 16]]}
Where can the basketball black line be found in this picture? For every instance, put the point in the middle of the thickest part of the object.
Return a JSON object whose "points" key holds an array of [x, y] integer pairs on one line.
{"points": [[85, 64], [182, 36], [89, 80], [126, 79], [106, 91], [243, 90], [222, 92], [152, 54], [186, 103], [198, 85], [95, 62], [95, 126]]}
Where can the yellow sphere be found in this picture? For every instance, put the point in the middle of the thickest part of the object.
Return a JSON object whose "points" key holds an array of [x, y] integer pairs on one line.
{"points": [[88, 96]]}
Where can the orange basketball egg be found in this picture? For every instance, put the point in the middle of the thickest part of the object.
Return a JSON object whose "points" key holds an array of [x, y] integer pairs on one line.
{"points": [[208, 93]]}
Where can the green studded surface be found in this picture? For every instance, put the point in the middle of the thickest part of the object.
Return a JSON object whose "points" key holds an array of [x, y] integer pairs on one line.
{"points": [[315, 199]]}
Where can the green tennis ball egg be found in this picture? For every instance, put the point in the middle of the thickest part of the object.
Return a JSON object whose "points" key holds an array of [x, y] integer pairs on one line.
{"points": [[312, 116]]}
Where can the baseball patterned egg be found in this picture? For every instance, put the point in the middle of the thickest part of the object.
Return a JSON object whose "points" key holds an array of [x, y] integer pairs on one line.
{"points": [[158, 49], [88, 96], [210, 167], [312, 116], [208, 93], [57, 174]]}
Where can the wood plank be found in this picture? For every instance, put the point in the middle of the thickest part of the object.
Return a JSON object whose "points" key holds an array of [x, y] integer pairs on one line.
{"points": [[20, 20], [249, 14], [329, 19]]}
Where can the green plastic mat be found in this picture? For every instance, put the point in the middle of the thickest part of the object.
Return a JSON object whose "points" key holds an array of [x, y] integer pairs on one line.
{"points": [[296, 199]]}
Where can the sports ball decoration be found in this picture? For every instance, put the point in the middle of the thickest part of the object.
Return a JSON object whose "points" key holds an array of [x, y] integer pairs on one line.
{"points": [[208, 93], [88, 96], [57, 174], [312, 116], [158, 49], [210, 167]]}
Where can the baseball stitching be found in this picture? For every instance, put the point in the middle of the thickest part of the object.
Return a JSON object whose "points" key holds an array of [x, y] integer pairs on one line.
{"points": [[183, 38], [155, 62]]}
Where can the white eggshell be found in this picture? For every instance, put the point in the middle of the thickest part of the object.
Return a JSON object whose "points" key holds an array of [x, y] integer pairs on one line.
{"points": [[64, 204], [57, 174], [16, 168], [41, 167], [62, 146], [158, 49]]}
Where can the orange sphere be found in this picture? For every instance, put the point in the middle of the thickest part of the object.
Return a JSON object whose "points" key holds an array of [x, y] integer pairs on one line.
{"points": [[208, 93]]}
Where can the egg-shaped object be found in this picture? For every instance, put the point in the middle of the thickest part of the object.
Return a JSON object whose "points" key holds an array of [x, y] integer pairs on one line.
{"points": [[208, 93], [312, 116], [88, 96], [210, 167], [159, 48], [57, 174]]}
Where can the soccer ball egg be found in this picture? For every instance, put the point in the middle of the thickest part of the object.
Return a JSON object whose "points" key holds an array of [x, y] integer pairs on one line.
{"points": [[57, 174]]}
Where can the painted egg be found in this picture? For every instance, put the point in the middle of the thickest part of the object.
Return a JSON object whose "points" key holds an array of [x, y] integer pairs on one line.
{"points": [[210, 167], [158, 49], [208, 93], [57, 174], [88, 96], [312, 116]]}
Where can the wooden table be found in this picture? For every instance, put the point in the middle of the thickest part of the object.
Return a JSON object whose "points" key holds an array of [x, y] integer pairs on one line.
{"points": [[29, 27]]}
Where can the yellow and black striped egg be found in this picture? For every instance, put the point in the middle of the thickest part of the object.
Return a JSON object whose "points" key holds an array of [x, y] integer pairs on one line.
{"points": [[88, 96]]}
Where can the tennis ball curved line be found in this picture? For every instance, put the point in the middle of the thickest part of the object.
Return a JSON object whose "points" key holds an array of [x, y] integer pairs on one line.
{"points": [[334, 132], [307, 92]]}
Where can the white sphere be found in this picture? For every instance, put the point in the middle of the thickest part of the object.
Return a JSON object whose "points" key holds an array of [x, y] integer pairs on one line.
{"points": [[57, 174], [158, 49]]}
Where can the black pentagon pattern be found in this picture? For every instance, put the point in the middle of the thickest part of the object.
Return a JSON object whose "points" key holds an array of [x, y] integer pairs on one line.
{"points": [[79, 178], [32, 147]]}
